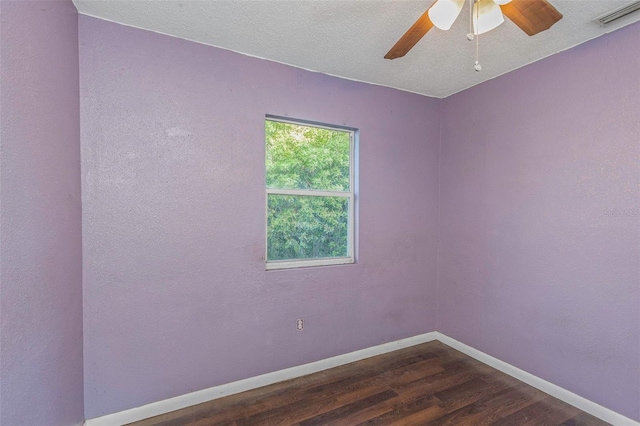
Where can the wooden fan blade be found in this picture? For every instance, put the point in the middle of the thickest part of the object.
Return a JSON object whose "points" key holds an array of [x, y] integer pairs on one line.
{"points": [[411, 37], [532, 16]]}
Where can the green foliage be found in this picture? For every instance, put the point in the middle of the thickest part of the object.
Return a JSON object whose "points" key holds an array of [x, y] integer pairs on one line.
{"points": [[308, 158], [303, 157], [306, 227]]}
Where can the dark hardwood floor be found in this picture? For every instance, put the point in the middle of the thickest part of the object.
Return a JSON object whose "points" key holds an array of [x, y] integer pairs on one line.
{"points": [[428, 384]]}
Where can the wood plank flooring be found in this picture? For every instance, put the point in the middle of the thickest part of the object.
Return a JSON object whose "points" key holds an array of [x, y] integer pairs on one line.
{"points": [[427, 384]]}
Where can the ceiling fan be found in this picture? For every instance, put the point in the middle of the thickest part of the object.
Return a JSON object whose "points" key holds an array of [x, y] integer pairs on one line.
{"points": [[532, 16]]}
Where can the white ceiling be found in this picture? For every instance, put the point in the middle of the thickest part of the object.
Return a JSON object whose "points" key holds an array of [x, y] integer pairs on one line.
{"points": [[350, 38]]}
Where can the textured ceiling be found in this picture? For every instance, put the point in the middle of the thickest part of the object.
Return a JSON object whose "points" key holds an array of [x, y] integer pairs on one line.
{"points": [[350, 38]]}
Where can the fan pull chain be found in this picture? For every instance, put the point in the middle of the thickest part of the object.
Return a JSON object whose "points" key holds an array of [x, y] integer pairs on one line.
{"points": [[477, 66], [470, 34]]}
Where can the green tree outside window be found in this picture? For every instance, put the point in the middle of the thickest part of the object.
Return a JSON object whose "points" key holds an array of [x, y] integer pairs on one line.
{"points": [[309, 191]]}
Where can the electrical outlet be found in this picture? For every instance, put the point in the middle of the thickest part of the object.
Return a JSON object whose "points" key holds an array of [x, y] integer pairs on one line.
{"points": [[299, 324]]}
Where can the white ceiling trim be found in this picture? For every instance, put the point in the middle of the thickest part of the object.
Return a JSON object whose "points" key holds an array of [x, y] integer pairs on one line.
{"points": [[254, 56]]}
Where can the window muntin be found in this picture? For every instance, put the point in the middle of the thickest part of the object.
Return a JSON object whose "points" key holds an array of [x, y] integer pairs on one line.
{"points": [[310, 198]]}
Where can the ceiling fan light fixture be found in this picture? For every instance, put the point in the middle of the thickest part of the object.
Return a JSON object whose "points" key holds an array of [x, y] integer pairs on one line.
{"points": [[444, 13], [501, 2], [487, 15]]}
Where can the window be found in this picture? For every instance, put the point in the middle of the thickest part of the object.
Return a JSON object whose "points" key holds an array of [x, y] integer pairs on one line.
{"points": [[310, 196]]}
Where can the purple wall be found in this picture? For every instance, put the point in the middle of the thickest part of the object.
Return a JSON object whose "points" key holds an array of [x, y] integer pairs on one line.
{"points": [[539, 255], [176, 298], [40, 219]]}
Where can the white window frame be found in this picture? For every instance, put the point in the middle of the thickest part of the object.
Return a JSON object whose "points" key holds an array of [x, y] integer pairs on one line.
{"points": [[326, 261]]}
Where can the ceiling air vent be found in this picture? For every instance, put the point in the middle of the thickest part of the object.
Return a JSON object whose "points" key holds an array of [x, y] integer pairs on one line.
{"points": [[619, 13]]}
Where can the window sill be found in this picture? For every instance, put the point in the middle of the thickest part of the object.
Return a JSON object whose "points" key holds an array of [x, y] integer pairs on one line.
{"points": [[307, 263]]}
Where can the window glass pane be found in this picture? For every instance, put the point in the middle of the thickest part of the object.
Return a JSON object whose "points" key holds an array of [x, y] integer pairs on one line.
{"points": [[306, 227], [304, 157]]}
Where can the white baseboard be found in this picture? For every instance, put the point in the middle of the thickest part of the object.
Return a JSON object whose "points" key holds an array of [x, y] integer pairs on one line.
{"points": [[556, 391], [187, 400]]}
